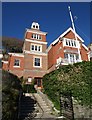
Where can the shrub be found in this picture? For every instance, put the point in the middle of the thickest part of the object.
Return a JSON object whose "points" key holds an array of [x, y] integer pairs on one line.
{"points": [[76, 78], [10, 92]]}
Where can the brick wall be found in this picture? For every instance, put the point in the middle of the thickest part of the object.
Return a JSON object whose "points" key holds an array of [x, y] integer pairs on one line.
{"points": [[29, 36]]}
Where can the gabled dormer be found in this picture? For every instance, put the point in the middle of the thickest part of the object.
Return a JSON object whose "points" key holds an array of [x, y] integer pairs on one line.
{"points": [[35, 26]]}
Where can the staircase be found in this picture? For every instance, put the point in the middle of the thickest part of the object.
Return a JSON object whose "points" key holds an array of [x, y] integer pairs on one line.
{"points": [[45, 108], [27, 107]]}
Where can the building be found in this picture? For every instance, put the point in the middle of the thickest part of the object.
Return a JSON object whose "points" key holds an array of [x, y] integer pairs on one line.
{"points": [[37, 60], [32, 63], [90, 51], [66, 49]]}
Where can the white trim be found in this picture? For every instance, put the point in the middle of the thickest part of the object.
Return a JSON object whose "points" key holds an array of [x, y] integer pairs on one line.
{"points": [[69, 29], [6, 62], [35, 41], [34, 62], [84, 46], [35, 53], [16, 54], [36, 31], [55, 41]]}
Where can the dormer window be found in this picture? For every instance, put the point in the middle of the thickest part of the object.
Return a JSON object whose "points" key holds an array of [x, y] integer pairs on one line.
{"points": [[35, 25]]}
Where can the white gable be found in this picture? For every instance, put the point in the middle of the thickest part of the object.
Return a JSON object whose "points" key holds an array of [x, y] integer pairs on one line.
{"points": [[69, 29]]}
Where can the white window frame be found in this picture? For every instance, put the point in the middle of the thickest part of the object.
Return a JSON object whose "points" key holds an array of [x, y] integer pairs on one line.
{"points": [[16, 65], [36, 36], [71, 43], [40, 62], [35, 47], [70, 58]]}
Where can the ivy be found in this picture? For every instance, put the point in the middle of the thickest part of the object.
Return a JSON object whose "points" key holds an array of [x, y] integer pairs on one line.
{"points": [[76, 78]]}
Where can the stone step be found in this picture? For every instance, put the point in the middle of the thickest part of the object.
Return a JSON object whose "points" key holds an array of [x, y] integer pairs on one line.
{"points": [[27, 105]]}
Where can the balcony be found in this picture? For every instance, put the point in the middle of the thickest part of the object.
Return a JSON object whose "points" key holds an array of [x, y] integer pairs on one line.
{"points": [[65, 61]]}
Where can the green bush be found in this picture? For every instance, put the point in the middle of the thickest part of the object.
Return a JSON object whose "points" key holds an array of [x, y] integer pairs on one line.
{"points": [[10, 93], [29, 88], [76, 78]]}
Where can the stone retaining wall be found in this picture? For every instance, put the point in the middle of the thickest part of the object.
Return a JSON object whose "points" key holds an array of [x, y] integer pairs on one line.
{"points": [[79, 111]]}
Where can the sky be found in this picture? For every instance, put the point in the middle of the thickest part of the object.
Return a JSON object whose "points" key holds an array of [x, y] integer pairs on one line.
{"points": [[53, 18]]}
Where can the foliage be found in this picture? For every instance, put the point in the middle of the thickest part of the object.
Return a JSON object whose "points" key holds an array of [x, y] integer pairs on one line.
{"points": [[10, 92], [27, 88], [12, 45], [76, 78]]}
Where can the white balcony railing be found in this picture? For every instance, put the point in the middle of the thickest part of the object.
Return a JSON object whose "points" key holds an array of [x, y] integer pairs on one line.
{"points": [[66, 62]]}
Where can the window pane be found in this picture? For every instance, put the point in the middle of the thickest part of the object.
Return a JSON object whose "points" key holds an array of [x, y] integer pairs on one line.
{"points": [[35, 48], [69, 43], [66, 42], [39, 48], [37, 36], [37, 61], [77, 57], [34, 35], [32, 47], [40, 37], [66, 55], [16, 62], [74, 43]]}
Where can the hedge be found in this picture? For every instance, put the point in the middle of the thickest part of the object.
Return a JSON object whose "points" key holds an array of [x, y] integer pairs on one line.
{"points": [[76, 78]]}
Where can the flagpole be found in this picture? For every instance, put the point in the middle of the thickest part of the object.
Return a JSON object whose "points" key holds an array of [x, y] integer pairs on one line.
{"points": [[74, 31]]}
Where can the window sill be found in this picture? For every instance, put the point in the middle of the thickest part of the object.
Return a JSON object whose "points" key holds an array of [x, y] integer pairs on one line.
{"points": [[37, 66], [16, 66]]}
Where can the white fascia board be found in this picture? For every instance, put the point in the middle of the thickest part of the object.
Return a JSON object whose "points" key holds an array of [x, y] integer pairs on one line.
{"points": [[35, 53], [37, 32], [69, 29], [84, 46], [35, 41], [55, 41], [76, 35], [48, 49], [16, 54]]}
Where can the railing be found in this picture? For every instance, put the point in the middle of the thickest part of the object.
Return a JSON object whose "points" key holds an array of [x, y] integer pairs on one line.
{"points": [[66, 62]]}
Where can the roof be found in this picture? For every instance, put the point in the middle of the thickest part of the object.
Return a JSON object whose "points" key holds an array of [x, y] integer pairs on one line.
{"points": [[69, 29], [62, 35]]}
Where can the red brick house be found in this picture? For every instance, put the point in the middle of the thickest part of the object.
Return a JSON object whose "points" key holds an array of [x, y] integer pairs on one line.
{"points": [[37, 60], [66, 50]]}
